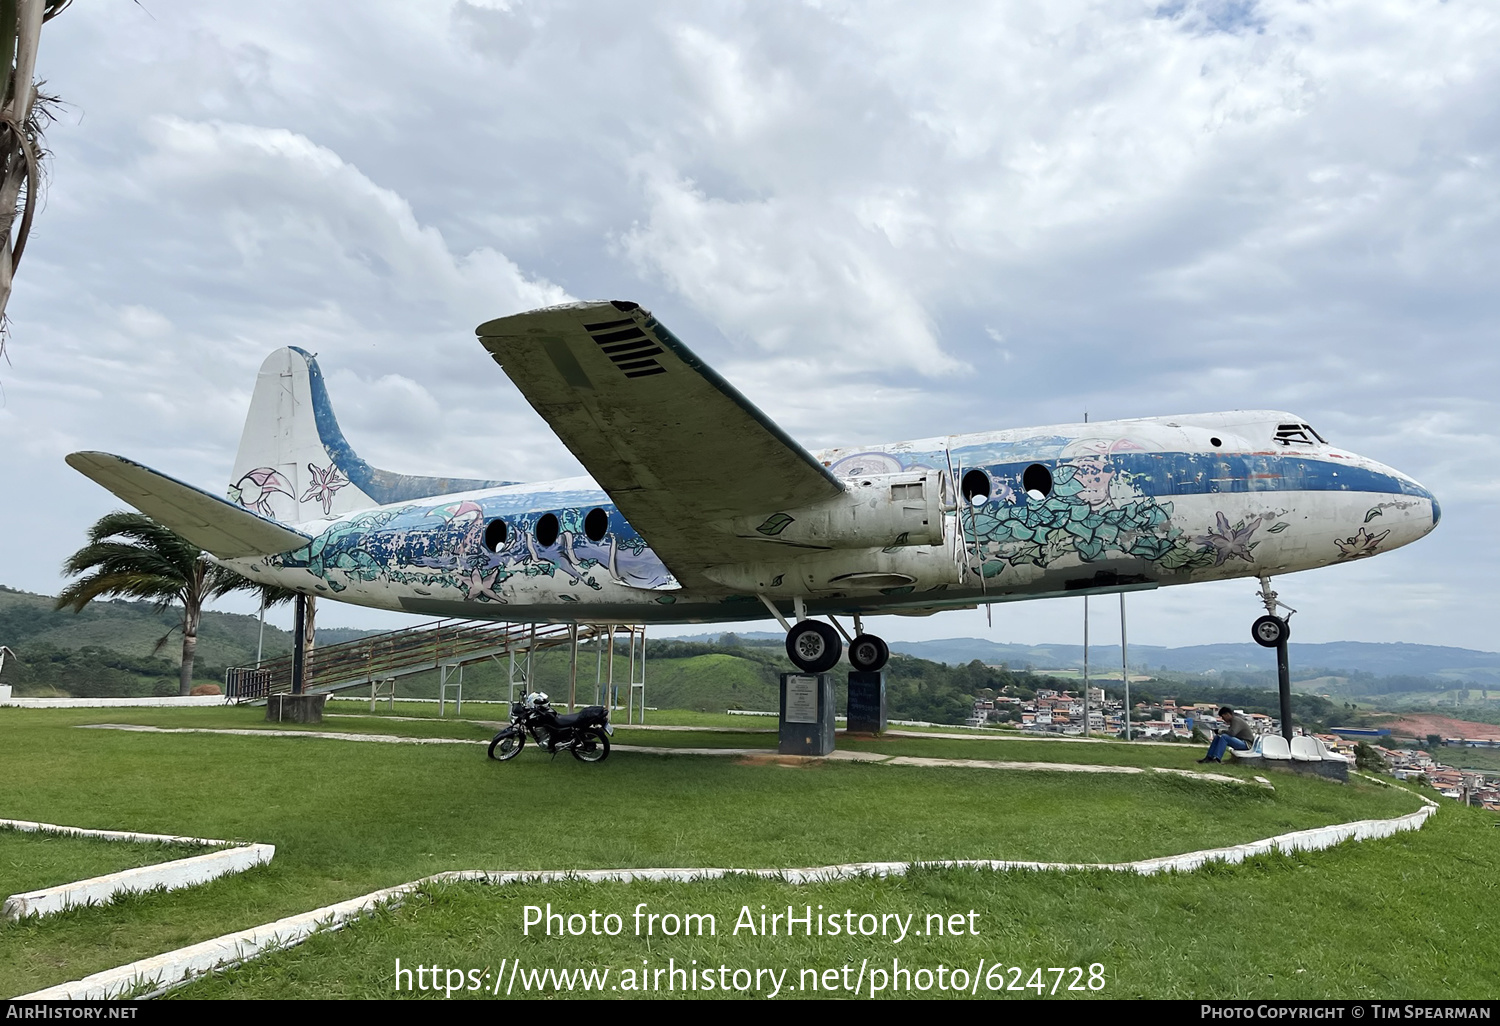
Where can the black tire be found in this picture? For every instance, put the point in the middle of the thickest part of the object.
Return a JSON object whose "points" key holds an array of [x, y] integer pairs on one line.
{"points": [[868, 653], [1270, 631], [592, 745], [814, 646], [508, 744]]}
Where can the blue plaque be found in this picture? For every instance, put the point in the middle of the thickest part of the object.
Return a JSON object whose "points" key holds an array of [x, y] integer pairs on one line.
{"points": [[866, 701]]}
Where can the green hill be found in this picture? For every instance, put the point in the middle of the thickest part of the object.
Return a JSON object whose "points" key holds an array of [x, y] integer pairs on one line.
{"points": [[108, 648]]}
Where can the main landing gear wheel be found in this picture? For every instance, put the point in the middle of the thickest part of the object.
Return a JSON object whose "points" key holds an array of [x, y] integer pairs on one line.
{"points": [[508, 747], [1270, 631], [868, 653], [814, 646], [592, 746]]}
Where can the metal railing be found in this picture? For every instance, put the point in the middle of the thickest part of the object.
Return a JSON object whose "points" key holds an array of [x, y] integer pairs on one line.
{"points": [[442, 645]]}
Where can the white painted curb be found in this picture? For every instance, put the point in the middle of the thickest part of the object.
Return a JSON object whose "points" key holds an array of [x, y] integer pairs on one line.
{"points": [[178, 701], [172, 876], [330, 735], [163, 972], [185, 963], [178, 873], [107, 835]]}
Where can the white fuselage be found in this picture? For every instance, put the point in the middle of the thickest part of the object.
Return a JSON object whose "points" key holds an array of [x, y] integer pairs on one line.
{"points": [[1025, 513]]}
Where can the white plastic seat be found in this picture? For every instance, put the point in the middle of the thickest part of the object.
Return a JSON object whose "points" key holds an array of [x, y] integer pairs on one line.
{"points": [[1305, 749], [1253, 752], [1274, 746], [1330, 756]]}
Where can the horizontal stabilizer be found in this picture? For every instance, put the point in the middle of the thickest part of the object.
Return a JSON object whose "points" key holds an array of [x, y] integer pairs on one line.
{"points": [[209, 522]]}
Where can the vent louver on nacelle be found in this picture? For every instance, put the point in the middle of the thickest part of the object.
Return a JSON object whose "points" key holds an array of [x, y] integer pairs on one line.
{"points": [[628, 347]]}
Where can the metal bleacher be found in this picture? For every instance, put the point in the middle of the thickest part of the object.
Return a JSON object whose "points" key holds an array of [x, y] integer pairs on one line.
{"points": [[377, 661]]}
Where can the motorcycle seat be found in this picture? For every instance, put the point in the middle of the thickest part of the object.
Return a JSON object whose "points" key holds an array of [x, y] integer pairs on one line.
{"points": [[583, 717]]}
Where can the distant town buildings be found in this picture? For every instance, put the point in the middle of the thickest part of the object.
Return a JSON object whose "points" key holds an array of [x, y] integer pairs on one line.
{"points": [[1061, 712]]}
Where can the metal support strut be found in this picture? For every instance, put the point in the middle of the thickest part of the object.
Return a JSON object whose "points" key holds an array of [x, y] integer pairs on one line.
{"points": [[1283, 661], [1270, 599]]}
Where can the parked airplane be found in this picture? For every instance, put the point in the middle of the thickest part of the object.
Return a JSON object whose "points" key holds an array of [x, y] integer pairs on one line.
{"points": [[701, 509]]}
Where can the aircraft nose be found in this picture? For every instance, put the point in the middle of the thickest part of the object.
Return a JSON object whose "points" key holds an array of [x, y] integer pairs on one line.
{"points": [[1415, 488]]}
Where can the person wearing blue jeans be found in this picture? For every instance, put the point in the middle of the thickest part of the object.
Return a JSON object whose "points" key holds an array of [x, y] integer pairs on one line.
{"points": [[1236, 734]]}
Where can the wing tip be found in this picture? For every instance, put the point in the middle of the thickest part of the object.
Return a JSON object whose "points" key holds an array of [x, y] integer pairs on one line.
{"points": [[498, 325]]}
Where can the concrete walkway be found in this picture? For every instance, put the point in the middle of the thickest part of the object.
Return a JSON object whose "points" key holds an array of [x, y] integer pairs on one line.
{"points": [[767, 754]]}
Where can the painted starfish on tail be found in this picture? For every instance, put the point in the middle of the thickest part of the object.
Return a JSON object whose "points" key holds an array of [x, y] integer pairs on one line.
{"points": [[324, 484]]}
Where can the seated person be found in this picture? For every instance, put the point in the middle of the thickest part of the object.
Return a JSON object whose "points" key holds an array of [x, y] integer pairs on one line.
{"points": [[1236, 734]]}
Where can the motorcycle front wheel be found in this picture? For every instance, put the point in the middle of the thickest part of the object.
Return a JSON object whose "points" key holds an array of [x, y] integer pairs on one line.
{"points": [[592, 746], [507, 747]]}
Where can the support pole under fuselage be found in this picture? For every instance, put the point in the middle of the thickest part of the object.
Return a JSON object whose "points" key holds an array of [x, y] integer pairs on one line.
{"points": [[1284, 682], [299, 644]]}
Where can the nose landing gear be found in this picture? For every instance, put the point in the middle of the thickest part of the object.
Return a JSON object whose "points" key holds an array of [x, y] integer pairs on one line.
{"points": [[1272, 631]]}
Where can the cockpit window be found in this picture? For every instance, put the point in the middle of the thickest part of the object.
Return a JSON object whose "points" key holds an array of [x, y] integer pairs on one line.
{"points": [[1298, 434]]}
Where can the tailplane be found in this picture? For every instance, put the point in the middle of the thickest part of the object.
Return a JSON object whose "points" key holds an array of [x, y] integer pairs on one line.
{"points": [[293, 463], [203, 519]]}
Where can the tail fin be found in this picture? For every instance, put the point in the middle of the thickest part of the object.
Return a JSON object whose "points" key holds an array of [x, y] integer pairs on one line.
{"points": [[293, 463]]}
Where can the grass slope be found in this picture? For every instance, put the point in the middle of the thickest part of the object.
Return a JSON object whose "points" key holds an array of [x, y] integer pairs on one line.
{"points": [[349, 818]]}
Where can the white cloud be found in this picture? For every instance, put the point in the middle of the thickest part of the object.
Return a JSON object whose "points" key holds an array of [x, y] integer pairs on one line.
{"points": [[754, 270], [881, 221]]}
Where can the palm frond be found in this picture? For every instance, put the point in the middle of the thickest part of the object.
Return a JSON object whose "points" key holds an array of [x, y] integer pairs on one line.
{"points": [[161, 642]]}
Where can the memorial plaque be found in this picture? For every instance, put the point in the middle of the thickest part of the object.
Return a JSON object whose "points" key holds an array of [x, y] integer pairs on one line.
{"points": [[801, 698], [806, 720]]}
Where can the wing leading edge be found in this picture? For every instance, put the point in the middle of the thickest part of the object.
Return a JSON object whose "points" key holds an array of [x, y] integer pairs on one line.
{"points": [[209, 522], [677, 447]]}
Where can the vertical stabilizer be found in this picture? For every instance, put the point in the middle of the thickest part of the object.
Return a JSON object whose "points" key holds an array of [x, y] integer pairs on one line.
{"points": [[293, 463]]}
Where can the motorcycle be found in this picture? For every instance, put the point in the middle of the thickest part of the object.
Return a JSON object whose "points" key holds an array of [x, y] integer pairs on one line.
{"points": [[585, 733]]}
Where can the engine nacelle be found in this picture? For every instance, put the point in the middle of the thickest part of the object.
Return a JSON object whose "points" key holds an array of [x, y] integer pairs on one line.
{"points": [[792, 572], [875, 511]]}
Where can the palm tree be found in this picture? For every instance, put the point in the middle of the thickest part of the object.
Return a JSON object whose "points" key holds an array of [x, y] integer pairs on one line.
{"points": [[129, 555], [24, 112]]}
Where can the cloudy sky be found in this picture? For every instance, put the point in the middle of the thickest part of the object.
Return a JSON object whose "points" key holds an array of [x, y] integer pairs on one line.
{"points": [[880, 221]]}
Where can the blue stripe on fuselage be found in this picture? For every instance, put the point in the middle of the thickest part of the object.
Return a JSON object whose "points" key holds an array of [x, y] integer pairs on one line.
{"points": [[1165, 474]]}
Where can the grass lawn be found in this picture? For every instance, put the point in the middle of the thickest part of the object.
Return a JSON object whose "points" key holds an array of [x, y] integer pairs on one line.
{"points": [[1399, 918], [348, 818]]}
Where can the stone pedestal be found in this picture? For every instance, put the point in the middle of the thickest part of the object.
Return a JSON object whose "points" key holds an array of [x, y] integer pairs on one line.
{"points": [[806, 714], [295, 708], [866, 702]]}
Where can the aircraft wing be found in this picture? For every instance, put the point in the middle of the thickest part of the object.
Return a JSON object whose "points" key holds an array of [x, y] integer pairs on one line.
{"points": [[209, 522], [676, 446]]}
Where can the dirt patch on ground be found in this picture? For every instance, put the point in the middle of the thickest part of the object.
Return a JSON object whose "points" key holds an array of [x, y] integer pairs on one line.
{"points": [[1419, 725], [773, 759]]}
